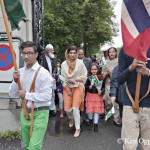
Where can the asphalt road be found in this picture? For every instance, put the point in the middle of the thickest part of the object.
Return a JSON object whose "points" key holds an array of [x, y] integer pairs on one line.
{"points": [[60, 137]]}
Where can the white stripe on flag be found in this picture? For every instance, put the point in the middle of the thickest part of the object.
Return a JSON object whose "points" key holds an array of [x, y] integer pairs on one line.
{"points": [[147, 5], [128, 22]]}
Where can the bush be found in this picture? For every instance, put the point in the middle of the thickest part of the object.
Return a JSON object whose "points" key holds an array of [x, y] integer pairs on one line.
{"points": [[10, 135]]}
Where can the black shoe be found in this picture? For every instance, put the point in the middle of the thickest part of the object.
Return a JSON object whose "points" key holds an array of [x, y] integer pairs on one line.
{"points": [[52, 113], [91, 123], [86, 121], [95, 127], [102, 116]]}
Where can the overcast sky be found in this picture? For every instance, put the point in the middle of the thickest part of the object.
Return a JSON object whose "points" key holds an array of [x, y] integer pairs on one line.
{"points": [[117, 40]]}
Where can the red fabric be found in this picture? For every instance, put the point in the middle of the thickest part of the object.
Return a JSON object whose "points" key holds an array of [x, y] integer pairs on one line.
{"points": [[94, 103], [99, 76], [126, 36], [138, 47]]}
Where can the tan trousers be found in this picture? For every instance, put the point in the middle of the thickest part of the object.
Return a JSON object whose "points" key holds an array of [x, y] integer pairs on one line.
{"points": [[135, 128]]}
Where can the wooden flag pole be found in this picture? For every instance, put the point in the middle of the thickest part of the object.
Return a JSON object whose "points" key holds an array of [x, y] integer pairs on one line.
{"points": [[137, 93], [13, 55]]}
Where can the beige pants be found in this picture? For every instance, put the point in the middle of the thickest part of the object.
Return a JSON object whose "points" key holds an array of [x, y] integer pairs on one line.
{"points": [[135, 128]]}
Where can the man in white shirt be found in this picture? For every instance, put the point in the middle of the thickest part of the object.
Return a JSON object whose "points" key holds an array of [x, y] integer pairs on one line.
{"points": [[37, 101]]}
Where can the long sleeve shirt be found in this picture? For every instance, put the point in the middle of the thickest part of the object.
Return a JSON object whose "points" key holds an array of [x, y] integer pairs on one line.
{"points": [[114, 86], [43, 86], [116, 89], [130, 78]]}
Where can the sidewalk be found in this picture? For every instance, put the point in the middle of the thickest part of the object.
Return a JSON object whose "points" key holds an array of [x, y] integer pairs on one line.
{"points": [[60, 137]]}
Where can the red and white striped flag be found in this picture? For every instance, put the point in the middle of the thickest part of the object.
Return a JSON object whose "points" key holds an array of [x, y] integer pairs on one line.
{"points": [[135, 25]]}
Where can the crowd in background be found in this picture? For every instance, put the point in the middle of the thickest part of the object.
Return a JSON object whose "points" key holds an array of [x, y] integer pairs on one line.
{"points": [[85, 89], [78, 94]]}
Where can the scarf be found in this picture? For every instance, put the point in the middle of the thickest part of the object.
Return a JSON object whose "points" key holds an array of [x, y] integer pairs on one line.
{"points": [[70, 64]]}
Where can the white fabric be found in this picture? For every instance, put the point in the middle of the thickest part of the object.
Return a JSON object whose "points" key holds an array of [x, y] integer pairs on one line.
{"points": [[60, 97], [43, 86], [49, 46], [79, 73], [52, 105], [74, 113], [103, 60], [136, 126], [116, 115], [128, 21], [69, 114], [147, 5], [110, 65], [95, 117], [49, 63], [90, 116]]}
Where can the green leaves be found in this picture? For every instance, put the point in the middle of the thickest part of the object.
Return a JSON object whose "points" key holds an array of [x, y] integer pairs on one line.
{"points": [[69, 22], [10, 135]]}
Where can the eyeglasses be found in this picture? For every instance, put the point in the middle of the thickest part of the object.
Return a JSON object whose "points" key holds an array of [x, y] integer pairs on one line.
{"points": [[29, 54]]}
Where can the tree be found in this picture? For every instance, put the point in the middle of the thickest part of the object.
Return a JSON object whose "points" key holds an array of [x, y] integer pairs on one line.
{"points": [[69, 22]]}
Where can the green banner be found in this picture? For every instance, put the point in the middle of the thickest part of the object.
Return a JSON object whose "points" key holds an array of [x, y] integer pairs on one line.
{"points": [[95, 80], [58, 71], [110, 113], [14, 12]]}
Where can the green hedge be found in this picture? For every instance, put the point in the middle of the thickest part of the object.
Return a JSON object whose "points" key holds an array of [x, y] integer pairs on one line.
{"points": [[10, 135]]}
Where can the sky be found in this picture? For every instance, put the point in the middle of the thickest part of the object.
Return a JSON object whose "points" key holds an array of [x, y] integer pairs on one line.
{"points": [[117, 40]]}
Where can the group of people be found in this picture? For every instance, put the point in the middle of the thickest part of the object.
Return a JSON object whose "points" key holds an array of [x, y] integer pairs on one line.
{"points": [[83, 88]]}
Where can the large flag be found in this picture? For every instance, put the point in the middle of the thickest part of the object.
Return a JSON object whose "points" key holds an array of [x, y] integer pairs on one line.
{"points": [[135, 24], [14, 12]]}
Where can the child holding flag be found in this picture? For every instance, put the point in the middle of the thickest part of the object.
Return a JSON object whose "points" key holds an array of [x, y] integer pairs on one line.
{"points": [[94, 101]]}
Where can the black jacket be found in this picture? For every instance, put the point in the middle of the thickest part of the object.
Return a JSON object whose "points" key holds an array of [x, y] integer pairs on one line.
{"points": [[88, 83], [45, 64], [130, 77], [116, 89], [87, 62]]}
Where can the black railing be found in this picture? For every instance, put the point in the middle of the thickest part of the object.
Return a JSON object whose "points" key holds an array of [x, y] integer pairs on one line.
{"points": [[37, 22]]}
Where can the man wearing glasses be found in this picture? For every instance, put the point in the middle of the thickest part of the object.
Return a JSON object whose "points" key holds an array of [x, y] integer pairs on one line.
{"points": [[37, 100]]}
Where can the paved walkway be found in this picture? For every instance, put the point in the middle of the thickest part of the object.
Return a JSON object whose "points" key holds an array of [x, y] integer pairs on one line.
{"points": [[60, 137]]}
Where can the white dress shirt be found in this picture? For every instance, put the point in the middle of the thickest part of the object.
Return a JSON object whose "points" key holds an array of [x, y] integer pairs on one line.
{"points": [[43, 86]]}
